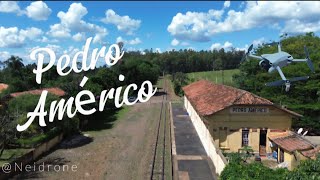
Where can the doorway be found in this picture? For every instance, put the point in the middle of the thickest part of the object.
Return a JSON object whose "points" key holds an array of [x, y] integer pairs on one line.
{"points": [[263, 142], [281, 156]]}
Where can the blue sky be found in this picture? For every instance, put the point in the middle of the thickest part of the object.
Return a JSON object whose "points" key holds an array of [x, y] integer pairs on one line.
{"points": [[162, 26]]}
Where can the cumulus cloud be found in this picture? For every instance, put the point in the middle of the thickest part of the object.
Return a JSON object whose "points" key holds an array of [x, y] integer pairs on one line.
{"points": [[296, 16], [134, 41], [217, 46], [175, 42], [59, 31], [71, 21], [38, 11], [44, 39], [12, 37], [79, 37], [123, 23], [194, 25], [226, 4], [9, 7]]}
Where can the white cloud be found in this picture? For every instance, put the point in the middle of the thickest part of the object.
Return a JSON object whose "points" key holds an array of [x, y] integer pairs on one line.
{"points": [[245, 48], [59, 31], [44, 39], [296, 26], [259, 41], [123, 23], [120, 39], [226, 4], [296, 16], [175, 42], [71, 21], [12, 37], [79, 37], [4, 55], [158, 50], [217, 46], [194, 25], [134, 41], [9, 7], [38, 11], [31, 33]]}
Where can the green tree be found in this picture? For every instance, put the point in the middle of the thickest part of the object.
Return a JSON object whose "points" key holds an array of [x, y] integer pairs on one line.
{"points": [[303, 95]]}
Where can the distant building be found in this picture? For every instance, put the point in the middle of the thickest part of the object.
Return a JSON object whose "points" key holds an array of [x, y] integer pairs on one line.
{"points": [[236, 118], [54, 90], [3, 87]]}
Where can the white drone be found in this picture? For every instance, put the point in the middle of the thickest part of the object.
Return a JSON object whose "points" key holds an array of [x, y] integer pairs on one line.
{"points": [[276, 61]]}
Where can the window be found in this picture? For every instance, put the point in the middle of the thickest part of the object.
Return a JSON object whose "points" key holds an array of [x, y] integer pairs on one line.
{"points": [[245, 137]]}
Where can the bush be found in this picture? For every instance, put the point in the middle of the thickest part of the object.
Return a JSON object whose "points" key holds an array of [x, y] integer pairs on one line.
{"points": [[256, 170], [37, 139], [308, 169], [179, 80], [237, 169]]}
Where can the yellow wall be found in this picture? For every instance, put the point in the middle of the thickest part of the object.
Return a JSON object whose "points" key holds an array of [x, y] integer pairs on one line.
{"points": [[234, 122], [292, 158]]}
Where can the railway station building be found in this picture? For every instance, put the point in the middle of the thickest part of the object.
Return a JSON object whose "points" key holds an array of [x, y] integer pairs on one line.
{"points": [[236, 118]]}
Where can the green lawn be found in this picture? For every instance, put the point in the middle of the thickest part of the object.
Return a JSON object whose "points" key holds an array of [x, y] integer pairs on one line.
{"points": [[215, 76]]}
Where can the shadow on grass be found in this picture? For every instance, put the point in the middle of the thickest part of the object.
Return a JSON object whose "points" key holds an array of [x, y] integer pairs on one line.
{"points": [[100, 120]]}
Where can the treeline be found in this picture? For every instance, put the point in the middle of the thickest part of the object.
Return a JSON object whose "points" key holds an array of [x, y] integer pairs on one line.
{"points": [[187, 61]]}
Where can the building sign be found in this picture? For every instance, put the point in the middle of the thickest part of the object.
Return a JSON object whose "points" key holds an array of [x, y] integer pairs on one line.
{"points": [[249, 109]]}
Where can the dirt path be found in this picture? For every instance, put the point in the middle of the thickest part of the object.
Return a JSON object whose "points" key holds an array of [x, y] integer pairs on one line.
{"points": [[123, 152]]}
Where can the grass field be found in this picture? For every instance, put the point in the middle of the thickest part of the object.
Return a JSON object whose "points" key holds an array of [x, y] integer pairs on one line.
{"points": [[218, 77]]}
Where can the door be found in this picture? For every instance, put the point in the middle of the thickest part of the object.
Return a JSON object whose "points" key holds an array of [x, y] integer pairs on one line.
{"points": [[281, 156], [263, 142]]}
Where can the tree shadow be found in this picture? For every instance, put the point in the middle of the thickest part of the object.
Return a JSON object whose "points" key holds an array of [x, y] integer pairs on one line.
{"points": [[160, 93], [100, 120], [75, 141]]}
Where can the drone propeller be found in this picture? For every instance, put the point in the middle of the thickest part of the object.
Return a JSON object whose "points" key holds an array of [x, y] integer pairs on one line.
{"points": [[246, 54], [308, 59], [281, 82], [276, 83], [303, 78]]}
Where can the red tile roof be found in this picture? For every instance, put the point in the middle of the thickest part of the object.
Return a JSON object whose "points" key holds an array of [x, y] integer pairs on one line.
{"points": [[311, 153], [292, 142], [56, 91], [208, 98], [3, 86]]}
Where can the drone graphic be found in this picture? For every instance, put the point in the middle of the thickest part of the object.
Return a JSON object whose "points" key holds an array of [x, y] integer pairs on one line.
{"points": [[272, 62]]}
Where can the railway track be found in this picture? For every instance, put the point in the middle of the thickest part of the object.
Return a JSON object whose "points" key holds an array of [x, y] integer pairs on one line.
{"points": [[161, 164]]}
